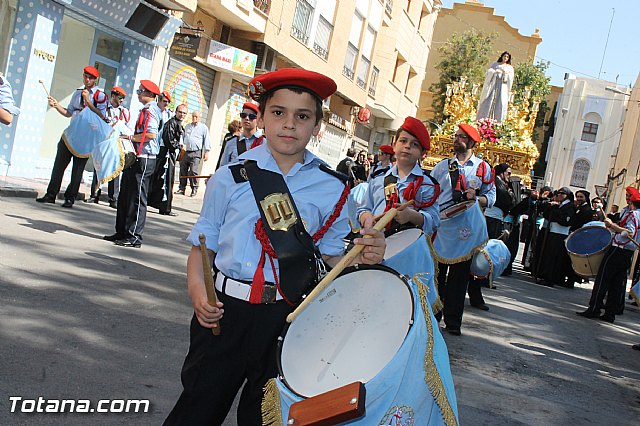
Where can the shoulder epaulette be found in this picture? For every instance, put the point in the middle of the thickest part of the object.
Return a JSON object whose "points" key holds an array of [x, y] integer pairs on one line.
{"points": [[344, 178], [239, 173]]}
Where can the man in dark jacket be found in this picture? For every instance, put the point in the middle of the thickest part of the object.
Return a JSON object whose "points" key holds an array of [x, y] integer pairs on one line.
{"points": [[584, 214], [161, 196], [346, 166]]}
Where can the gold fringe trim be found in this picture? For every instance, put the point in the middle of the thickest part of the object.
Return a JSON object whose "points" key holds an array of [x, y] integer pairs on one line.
{"points": [[432, 376], [73, 151], [419, 278], [635, 296], [271, 411], [119, 169], [457, 259]]}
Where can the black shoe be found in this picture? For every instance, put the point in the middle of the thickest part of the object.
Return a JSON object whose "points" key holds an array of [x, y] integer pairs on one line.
{"points": [[589, 314], [454, 331], [179, 192], [46, 199], [481, 306], [168, 214], [608, 318], [113, 237], [193, 192], [113, 204], [68, 203], [128, 243], [636, 347]]}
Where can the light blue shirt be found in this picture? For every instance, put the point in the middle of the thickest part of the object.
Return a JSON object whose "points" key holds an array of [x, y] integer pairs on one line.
{"points": [[229, 213], [196, 136], [6, 97], [100, 101], [469, 168], [151, 147], [375, 202], [230, 154], [630, 221]]}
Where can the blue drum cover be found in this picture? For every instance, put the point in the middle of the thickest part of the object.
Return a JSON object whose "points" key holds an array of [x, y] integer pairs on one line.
{"points": [[588, 240]]}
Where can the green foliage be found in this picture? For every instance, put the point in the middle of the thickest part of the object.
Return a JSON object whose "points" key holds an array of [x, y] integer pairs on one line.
{"points": [[463, 54], [533, 75]]}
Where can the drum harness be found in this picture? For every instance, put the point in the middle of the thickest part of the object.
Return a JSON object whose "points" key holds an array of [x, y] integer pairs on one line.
{"points": [[409, 193], [282, 235]]}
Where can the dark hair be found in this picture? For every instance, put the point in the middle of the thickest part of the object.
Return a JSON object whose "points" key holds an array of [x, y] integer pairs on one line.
{"points": [[502, 54], [636, 204], [351, 152], [401, 129], [234, 126], [265, 98]]}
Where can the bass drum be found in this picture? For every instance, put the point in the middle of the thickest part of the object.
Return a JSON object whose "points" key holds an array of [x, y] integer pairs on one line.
{"points": [[343, 336], [586, 247]]}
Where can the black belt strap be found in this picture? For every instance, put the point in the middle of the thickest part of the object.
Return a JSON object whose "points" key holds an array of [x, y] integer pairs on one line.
{"points": [[294, 247], [454, 175], [241, 145]]}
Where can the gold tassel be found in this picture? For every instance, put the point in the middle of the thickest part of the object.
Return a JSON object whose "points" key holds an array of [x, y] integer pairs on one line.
{"points": [[432, 375], [271, 411], [457, 259]]}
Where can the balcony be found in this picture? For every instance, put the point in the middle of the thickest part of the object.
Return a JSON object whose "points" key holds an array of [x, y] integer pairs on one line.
{"points": [[243, 15], [320, 51], [348, 72], [372, 92], [300, 35], [388, 7]]}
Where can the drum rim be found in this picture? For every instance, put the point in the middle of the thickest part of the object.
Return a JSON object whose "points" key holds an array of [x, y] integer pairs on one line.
{"points": [[470, 203], [602, 250], [346, 271], [398, 231]]}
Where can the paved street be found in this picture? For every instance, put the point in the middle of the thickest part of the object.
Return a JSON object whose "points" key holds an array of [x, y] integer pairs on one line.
{"points": [[82, 318]]}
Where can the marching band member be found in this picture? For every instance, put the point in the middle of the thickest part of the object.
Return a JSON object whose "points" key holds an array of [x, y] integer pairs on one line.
{"points": [[89, 96], [250, 138], [612, 274], [464, 177], [134, 187], [385, 159], [254, 294], [8, 106]]}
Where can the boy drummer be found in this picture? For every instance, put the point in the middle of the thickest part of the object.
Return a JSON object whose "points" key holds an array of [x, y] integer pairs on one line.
{"points": [[254, 295]]}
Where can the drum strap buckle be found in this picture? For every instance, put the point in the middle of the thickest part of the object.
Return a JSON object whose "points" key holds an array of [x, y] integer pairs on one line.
{"points": [[278, 211]]}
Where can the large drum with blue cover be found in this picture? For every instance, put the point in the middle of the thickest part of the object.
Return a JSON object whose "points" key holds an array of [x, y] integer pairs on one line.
{"points": [[586, 247]]}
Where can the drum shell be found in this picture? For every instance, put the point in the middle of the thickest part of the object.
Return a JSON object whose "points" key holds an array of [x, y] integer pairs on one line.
{"points": [[492, 259], [128, 151], [586, 247], [325, 336]]}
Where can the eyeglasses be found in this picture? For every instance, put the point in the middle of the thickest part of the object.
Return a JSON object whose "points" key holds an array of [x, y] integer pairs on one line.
{"points": [[141, 91], [248, 114], [181, 112]]}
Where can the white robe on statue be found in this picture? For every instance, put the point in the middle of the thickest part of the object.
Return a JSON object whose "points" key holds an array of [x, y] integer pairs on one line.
{"points": [[494, 99]]}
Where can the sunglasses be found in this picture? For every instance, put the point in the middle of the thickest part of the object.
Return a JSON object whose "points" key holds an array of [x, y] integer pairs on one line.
{"points": [[140, 91], [248, 114]]}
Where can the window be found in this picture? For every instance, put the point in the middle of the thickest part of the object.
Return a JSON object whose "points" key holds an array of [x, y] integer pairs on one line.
{"points": [[301, 20], [373, 82], [397, 71], [388, 7], [589, 132], [323, 35], [580, 173], [363, 70], [411, 81], [350, 61]]}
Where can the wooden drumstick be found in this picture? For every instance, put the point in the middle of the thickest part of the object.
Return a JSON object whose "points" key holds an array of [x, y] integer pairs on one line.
{"points": [[399, 208], [344, 262], [625, 234], [208, 280], [45, 88]]}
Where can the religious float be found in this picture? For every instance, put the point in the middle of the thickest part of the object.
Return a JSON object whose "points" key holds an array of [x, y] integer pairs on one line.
{"points": [[508, 141]]}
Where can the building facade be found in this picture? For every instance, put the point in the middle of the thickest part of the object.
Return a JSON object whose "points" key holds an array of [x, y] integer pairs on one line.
{"points": [[587, 134], [46, 44]]}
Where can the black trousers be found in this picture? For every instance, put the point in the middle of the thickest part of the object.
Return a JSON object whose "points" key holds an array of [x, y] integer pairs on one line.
{"points": [[610, 281], [132, 201], [161, 196], [113, 187], [63, 158], [453, 281], [190, 166], [216, 366]]}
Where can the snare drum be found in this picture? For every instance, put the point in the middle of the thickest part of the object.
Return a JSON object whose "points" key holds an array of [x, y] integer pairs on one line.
{"points": [[456, 209], [128, 152], [491, 261], [361, 328], [586, 247]]}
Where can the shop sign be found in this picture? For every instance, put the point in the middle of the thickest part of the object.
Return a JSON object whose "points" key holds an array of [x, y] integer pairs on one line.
{"points": [[229, 58], [185, 45]]}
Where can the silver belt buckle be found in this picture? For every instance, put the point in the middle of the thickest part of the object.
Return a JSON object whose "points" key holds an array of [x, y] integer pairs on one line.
{"points": [[269, 293]]}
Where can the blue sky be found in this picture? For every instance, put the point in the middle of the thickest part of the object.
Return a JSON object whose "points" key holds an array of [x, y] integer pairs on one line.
{"points": [[574, 33]]}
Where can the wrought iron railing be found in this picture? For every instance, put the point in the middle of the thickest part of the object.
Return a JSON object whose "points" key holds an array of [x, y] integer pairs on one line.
{"points": [[263, 5]]}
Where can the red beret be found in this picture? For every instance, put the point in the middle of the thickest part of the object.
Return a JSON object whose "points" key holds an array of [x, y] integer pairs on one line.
{"points": [[632, 190], [167, 95], [635, 197], [150, 86], [417, 129], [471, 131], [251, 106], [119, 90], [318, 84], [93, 71], [387, 149]]}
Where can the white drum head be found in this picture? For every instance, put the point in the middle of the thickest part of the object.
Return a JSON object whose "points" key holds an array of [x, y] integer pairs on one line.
{"points": [[400, 241], [349, 333]]}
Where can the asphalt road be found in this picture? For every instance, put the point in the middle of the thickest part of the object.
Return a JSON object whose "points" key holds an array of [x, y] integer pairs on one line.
{"points": [[81, 318]]}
